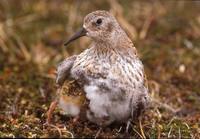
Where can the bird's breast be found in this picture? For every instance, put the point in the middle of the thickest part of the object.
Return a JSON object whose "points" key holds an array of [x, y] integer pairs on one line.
{"points": [[90, 69], [125, 70]]}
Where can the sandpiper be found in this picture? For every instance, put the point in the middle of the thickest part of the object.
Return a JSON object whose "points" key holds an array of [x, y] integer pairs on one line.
{"points": [[110, 72]]}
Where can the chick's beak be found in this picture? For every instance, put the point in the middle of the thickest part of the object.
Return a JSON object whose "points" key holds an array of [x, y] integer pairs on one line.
{"points": [[80, 33]]}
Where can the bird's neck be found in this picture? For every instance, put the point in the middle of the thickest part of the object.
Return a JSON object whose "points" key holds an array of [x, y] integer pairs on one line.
{"points": [[121, 45]]}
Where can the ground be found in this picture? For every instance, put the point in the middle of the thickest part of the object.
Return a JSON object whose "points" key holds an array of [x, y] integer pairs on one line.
{"points": [[165, 33]]}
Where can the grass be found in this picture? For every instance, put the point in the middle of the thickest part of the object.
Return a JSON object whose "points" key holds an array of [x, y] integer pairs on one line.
{"points": [[166, 34]]}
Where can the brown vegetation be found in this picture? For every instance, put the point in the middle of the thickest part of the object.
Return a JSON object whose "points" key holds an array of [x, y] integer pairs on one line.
{"points": [[166, 34]]}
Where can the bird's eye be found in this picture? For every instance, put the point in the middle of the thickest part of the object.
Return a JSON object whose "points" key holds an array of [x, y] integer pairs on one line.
{"points": [[99, 21]]}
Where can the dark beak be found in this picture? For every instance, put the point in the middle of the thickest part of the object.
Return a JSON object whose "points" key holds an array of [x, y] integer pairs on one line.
{"points": [[80, 33]]}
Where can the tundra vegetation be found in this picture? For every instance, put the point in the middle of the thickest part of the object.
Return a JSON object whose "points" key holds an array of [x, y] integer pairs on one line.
{"points": [[165, 33]]}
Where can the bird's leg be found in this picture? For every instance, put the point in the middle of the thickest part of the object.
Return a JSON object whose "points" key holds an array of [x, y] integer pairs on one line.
{"points": [[127, 135], [128, 125], [53, 106], [51, 110]]}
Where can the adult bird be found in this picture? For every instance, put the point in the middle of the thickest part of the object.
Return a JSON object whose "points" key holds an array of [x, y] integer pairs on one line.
{"points": [[110, 72]]}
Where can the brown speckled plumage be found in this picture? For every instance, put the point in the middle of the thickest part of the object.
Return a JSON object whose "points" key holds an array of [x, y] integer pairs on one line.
{"points": [[109, 71]]}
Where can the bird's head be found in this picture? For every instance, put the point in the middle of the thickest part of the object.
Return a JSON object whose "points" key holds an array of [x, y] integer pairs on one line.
{"points": [[100, 26]]}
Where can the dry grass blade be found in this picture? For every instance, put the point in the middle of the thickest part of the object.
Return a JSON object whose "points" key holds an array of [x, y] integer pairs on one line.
{"points": [[3, 45], [179, 133], [26, 19], [119, 129], [137, 132], [164, 105], [98, 132], [48, 76], [141, 128], [57, 128], [145, 28], [22, 47], [158, 128], [71, 134], [117, 10], [169, 133]]}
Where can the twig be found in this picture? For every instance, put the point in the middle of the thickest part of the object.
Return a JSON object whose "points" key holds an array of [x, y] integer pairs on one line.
{"points": [[98, 132]]}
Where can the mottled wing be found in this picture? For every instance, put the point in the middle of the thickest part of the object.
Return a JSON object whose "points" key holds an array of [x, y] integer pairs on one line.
{"points": [[63, 69]]}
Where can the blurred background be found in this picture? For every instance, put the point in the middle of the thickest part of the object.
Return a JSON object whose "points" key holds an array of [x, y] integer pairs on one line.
{"points": [[165, 33]]}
